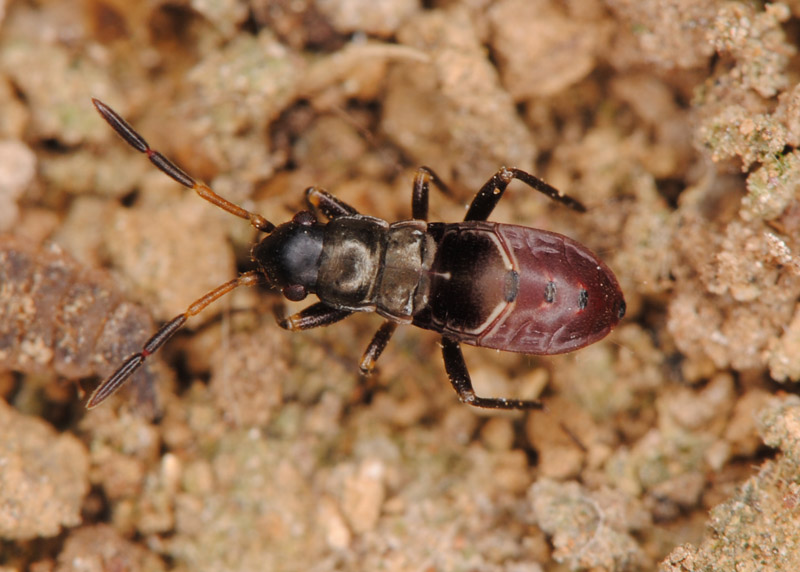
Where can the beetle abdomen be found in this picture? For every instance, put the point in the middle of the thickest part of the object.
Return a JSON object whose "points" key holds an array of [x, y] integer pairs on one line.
{"points": [[520, 289]]}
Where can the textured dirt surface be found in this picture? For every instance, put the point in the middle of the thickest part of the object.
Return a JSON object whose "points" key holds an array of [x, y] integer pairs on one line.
{"points": [[672, 443]]}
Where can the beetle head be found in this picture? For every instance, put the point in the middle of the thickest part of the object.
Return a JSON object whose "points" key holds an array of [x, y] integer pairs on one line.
{"points": [[290, 255]]}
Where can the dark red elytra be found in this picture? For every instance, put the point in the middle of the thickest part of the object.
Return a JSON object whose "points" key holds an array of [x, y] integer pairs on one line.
{"points": [[537, 292], [492, 285]]}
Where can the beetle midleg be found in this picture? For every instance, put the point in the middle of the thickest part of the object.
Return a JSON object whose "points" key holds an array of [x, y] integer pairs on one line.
{"points": [[320, 200], [314, 316], [366, 383], [492, 191], [419, 195], [457, 371], [135, 361], [376, 347]]}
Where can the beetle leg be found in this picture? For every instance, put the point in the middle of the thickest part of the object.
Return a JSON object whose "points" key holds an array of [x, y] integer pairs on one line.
{"points": [[319, 200], [419, 195], [492, 191], [456, 369], [314, 316], [376, 347], [366, 383]]}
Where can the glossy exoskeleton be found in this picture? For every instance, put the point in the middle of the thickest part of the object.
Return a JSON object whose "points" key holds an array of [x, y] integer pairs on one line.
{"points": [[487, 284]]}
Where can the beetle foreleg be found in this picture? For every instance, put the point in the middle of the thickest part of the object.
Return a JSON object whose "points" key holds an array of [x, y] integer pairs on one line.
{"points": [[314, 316], [492, 191], [456, 369]]}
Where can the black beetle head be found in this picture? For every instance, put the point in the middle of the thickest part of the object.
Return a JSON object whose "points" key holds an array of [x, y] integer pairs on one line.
{"points": [[290, 255]]}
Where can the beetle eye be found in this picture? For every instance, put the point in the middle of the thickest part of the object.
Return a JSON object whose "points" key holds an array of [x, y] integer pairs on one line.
{"points": [[295, 292]]}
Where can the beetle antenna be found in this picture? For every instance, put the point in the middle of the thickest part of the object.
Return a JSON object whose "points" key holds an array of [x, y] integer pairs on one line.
{"points": [[110, 386], [132, 138]]}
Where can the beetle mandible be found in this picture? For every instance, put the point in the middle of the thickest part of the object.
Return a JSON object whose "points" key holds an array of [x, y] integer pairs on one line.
{"points": [[486, 284]]}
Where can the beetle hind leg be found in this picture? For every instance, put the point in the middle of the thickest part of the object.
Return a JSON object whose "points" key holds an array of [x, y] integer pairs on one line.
{"points": [[456, 369], [492, 191]]}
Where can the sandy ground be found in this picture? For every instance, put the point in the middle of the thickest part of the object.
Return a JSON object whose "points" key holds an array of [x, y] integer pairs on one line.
{"points": [[673, 444]]}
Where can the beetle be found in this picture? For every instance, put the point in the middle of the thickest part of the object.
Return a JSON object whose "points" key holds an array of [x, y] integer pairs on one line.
{"points": [[486, 284]]}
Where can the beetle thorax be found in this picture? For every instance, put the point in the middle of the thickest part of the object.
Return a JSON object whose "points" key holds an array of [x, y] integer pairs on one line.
{"points": [[369, 265]]}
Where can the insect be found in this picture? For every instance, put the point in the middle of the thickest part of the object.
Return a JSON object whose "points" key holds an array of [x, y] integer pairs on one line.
{"points": [[482, 283], [57, 315]]}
